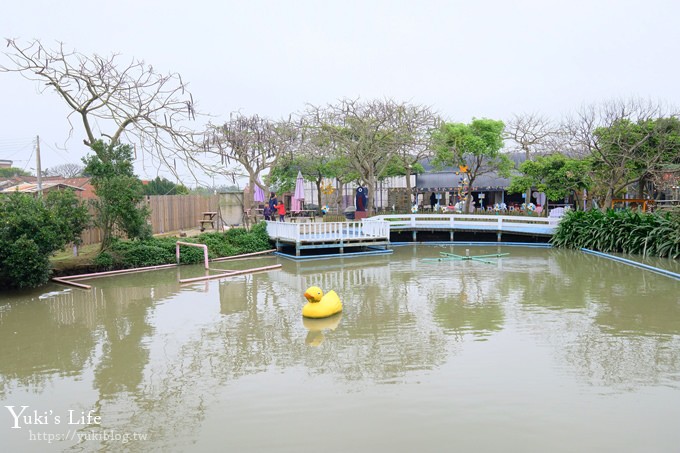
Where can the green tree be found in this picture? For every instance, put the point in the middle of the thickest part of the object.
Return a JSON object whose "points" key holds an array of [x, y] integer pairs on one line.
{"points": [[475, 147], [120, 194], [556, 175], [32, 229], [162, 186], [629, 142], [12, 171]]}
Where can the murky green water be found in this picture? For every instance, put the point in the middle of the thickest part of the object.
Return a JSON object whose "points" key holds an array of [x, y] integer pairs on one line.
{"points": [[544, 350]]}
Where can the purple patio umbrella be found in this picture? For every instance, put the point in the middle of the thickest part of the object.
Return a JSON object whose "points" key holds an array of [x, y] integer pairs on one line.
{"points": [[299, 194], [259, 194]]}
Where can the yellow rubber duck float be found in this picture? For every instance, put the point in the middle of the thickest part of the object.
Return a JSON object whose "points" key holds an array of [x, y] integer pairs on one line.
{"points": [[321, 305]]}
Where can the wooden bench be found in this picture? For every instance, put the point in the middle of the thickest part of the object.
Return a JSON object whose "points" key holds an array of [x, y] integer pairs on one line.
{"points": [[208, 218]]}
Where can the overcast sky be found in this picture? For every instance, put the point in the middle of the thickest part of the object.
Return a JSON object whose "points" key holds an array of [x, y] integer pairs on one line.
{"points": [[463, 58]]}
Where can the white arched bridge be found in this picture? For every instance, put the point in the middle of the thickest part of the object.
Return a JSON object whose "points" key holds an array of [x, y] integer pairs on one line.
{"points": [[375, 232]]}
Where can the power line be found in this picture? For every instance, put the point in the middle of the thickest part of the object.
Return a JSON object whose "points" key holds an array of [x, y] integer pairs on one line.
{"points": [[28, 162], [15, 140], [64, 157], [22, 149]]}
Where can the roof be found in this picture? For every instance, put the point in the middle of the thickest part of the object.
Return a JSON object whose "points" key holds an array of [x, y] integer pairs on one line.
{"points": [[33, 188], [446, 179]]}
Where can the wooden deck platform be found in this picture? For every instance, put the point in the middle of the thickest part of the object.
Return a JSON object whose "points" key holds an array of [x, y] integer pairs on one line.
{"points": [[337, 235]]}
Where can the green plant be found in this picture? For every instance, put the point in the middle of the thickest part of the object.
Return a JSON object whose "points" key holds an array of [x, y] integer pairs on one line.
{"points": [[104, 261], [255, 240], [119, 204], [147, 254], [620, 231], [32, 229]]}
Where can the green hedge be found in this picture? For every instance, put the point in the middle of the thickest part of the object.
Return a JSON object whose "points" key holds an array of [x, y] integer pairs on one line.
{"points": [[31, 230], [158, 251], [621, 231]]}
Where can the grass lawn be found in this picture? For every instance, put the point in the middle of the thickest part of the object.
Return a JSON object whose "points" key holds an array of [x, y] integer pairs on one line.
{"points": [[64, 260]]}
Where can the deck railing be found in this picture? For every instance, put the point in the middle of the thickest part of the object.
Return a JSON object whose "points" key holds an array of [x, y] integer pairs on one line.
{"points": [[329, 230], [379, 226], [501, 222]]}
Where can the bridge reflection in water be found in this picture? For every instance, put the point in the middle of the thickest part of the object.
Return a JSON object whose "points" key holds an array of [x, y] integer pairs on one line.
{"points": [[539, 340]]}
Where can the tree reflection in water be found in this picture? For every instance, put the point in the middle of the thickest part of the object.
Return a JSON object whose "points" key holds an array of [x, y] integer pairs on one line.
{"points": [[152, 349]]}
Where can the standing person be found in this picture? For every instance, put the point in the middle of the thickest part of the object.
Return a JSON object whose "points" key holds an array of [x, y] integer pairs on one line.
{"points": [[433, 200], [273, 201], [267, 212], [281, 209]]}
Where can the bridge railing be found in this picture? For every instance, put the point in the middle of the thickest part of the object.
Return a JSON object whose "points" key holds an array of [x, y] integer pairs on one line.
{"points": [[461, 220]]}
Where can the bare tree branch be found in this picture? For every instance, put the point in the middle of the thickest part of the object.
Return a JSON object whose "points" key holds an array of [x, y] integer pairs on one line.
{"points": [[123, 101]]}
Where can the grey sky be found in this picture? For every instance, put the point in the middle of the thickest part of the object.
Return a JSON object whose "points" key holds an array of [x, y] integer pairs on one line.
{"points": [[463, 58]]}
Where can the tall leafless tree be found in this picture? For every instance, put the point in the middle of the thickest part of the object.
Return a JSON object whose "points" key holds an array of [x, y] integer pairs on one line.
{"points": [[532, 134], [416, 124], [371, 133], [127, 101], [254, 143], [65, 170]]}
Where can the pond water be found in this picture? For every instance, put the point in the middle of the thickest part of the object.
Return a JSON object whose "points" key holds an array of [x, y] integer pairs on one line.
{"points": [[540, 350]]}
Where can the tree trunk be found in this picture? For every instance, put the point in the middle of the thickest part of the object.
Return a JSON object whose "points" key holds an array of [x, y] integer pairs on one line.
{"points": [[607, 200], [641, 187], [468, 194], [527, 194], [408, 179], [318, 193], [340, 199], [371, 185]]}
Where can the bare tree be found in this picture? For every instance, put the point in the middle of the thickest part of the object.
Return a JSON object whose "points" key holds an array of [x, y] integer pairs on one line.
{"points": [[416, 125], [65, 170], [124, 100], [532, 134], [254, 143], [628, 140], [370, 134]]}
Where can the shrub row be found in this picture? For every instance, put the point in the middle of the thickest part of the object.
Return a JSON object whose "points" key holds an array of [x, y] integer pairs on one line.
{"points": [[158, 251], [621, 231]]}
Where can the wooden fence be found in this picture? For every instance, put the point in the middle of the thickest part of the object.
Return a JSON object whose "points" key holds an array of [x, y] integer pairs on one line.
{"points": [[169, 213]]}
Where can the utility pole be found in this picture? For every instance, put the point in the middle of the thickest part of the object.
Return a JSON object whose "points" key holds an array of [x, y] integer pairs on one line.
{"points": [[37, 164]]}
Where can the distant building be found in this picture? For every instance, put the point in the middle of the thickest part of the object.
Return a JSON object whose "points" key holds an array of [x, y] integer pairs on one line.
{"points": [[5, 163], [46, 187], [447, 184], [29, 184]]}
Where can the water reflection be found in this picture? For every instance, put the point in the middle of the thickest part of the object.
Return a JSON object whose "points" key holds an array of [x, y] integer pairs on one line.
{"points": [[316, 327], [156, 353], [38, 339]]}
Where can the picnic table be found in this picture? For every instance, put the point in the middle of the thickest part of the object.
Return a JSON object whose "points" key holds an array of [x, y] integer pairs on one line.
{"points": [[303, 214], [209, 218]]}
